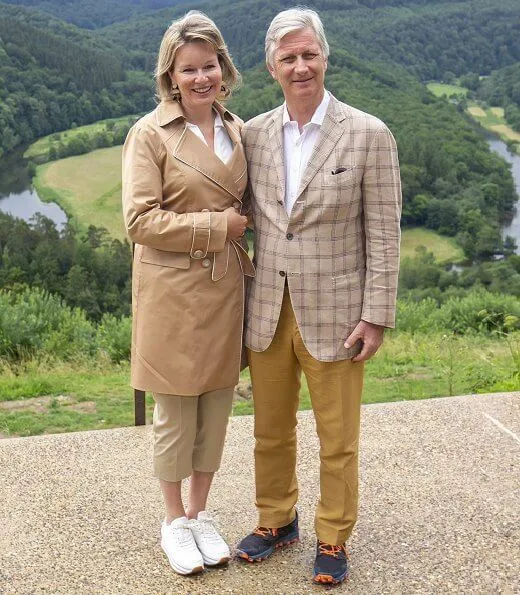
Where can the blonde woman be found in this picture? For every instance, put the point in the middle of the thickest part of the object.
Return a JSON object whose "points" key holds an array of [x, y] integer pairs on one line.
{"points": [[184, 177]]}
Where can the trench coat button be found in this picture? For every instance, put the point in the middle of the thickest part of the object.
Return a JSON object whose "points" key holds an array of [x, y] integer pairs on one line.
{"points": [[236, 205], [198, 254], [282, 273], [289, 236], [205, 211], [206, 263]]}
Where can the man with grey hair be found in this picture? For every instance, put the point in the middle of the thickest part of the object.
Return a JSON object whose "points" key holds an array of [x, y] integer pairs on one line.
{"points": [[326, 200]]}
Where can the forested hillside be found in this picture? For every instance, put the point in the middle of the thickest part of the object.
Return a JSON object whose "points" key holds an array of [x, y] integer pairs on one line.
{"points": [[51, 81], [91, 14]]}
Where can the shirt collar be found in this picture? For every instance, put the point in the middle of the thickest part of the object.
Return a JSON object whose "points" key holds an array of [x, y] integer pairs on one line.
{"points": [[218, 122], [317, 117]]}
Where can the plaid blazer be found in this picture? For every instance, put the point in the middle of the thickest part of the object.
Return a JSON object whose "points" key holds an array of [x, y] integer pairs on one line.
{"points": [[339, 248]]}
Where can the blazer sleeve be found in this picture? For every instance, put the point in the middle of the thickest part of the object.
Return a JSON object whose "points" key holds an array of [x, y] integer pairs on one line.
{"points": [[381, 192], [146, 222]]}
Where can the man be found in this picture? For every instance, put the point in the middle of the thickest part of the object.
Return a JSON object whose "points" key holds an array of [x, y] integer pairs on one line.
{"points": [[326, 205]]}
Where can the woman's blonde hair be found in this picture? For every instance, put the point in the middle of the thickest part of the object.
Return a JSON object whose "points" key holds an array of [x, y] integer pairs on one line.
{"points": [[193, 26]]}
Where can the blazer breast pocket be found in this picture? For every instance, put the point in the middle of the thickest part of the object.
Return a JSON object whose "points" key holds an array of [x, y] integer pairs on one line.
{"points": [[339, 177]]}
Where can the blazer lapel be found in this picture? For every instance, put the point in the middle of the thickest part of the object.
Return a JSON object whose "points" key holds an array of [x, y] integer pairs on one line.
{"points": [[328, 138], [275, 132]]}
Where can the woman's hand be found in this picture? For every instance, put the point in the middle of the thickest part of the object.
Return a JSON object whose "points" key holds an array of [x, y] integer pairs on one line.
{"points": [[236, 224]]}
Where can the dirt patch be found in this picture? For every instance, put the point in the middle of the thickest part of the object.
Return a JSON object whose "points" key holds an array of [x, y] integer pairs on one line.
{"points": [[45, 403]]}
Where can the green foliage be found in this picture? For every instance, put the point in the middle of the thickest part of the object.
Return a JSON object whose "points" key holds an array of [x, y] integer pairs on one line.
{"points": [[90, 272], [114, 337], [34, 322]]}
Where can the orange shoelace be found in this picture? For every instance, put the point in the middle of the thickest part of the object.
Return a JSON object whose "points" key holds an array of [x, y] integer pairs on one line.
{"points": [[264, 531], [331, 550]]}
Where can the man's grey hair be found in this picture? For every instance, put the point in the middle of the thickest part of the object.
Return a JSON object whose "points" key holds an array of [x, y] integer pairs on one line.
{"points": [[289, 21]]}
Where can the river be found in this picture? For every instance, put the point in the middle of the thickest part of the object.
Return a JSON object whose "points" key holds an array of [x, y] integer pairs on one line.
{"points": [[19, 199]]}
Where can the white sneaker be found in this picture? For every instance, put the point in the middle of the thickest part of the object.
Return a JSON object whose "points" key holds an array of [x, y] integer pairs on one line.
{"points": [[213, 548], [180, 547]]}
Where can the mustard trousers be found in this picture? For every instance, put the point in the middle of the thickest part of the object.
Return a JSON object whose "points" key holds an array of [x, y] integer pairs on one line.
{"points": [[335, 390]]}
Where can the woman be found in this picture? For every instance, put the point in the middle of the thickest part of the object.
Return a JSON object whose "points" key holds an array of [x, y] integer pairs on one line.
{"points": [[184, 176]]}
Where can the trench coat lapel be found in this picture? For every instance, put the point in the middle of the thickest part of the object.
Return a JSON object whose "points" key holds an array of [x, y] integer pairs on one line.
{"points": [[192, 151], [328, 138]]}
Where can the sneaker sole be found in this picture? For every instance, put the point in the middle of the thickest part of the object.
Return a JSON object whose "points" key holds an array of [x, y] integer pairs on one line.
{"points": [[327, 579], [265, 554], [181, 570], [212, 563]]}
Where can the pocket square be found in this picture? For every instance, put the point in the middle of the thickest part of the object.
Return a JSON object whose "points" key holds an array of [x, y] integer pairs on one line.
{"points": [[339, 170]]}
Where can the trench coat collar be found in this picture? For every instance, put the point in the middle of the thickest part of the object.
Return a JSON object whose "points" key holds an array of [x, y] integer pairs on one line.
{"points": [[192, 151], [170, 110]]}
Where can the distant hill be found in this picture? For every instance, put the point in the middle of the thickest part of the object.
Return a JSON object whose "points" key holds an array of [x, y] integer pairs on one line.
{"points": [[92, 14]]}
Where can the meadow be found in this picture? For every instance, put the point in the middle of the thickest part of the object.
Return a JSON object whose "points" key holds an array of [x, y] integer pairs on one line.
{"points": [[490, 118]]}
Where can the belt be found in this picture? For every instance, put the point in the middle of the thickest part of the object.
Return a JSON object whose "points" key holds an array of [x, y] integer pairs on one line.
{"points": [[221, 260]]}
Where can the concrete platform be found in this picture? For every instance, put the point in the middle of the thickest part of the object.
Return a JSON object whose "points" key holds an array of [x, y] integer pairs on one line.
{"points": [[440, 508]]}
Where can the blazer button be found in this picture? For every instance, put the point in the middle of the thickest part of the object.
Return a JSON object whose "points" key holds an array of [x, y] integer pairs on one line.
{"points": [[236, 205], [289, 236], [205, 211], [206, 263], [198, 254], [282, 273]]}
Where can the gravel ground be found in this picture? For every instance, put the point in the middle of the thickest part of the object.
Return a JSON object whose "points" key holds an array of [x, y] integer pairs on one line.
{"points": [[439, 513]]}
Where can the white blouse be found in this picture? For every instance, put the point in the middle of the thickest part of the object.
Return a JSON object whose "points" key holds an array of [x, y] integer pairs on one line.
{"points": [[222, 142]]}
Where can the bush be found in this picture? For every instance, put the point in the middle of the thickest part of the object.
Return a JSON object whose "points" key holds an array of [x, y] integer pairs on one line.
{"points": [[35, 322], [115, 336]]}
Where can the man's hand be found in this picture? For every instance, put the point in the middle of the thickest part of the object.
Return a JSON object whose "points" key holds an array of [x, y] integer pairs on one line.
{"points": [[371, 336], [236, 224]]}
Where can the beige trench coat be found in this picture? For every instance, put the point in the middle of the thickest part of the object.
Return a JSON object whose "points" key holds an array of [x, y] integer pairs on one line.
{"points": [[188, 281]]}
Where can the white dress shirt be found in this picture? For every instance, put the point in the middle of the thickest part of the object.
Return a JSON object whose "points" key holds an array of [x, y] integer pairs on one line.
{"points": [[222, 143], [297, 148]]}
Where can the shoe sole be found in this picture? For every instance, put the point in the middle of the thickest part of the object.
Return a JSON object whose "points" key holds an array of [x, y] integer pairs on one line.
{"points": [[183, 571], [212, 563], [327, 579], [264, 555]]}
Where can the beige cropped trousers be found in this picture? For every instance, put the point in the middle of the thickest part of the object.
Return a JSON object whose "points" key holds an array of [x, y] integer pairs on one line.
{"points": [[189, 433]]}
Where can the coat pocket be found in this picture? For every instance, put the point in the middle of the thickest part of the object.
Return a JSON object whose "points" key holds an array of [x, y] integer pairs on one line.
{"points": [[176, 260]]}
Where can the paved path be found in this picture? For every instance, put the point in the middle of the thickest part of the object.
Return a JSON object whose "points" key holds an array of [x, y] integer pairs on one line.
{"points": [[440, 508]]}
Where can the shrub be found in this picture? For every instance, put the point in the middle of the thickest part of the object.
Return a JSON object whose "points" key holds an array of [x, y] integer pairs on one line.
{"points": [[114, 337]]}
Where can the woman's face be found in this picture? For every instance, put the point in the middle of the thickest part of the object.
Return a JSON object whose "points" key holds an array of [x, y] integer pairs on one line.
{"points": [[197, 73]]}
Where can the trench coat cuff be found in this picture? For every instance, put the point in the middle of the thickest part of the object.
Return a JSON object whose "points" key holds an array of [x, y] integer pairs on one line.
{"points": [[209, 233]]}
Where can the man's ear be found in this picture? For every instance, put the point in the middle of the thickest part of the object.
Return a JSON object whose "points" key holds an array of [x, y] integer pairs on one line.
{"points": [[326, 63], [272, 71]]}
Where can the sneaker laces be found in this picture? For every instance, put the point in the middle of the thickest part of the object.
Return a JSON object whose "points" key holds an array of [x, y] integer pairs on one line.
{"points": [[182, 534], [265, 532], [207, 527], [328, 549]]}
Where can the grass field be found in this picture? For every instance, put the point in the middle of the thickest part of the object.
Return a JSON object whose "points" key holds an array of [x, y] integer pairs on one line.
{"points": [[443, 90], [49, 398], [41, 147], [87, 187], [491, 118], [445, 249]]}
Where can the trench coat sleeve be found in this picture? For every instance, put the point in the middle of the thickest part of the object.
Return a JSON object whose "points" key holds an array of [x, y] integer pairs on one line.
{"points": [[146, 222], [381, 191]]}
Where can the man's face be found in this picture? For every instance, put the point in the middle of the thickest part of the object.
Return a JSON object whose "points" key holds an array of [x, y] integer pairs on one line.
{"points": [[299, 66]]}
